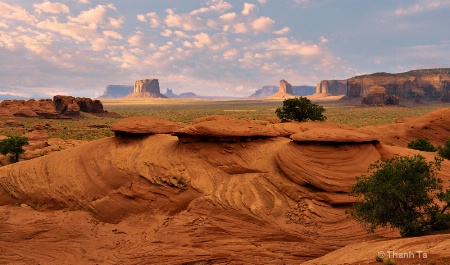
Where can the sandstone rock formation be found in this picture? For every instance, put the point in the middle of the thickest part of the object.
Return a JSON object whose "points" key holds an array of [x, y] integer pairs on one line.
{"points": [[147, 88], [144, 125], [117, 91], [429, 84], [377, 96], [32, 108], [157, 200], [224, 129], [169, 93], [50, 109], [332, 87], [284, 91]]}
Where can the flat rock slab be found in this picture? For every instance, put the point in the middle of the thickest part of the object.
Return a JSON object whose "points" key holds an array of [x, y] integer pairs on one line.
{"points": [[145, 125], [335, 135]]}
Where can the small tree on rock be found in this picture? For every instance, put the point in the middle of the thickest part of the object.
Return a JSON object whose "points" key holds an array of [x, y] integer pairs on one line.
{"points": [[444, 151], [402, 193], [300, 109], [422, 144], [13, 146]]}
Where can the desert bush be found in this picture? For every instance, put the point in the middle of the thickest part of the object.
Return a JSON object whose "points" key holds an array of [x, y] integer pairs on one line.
{"points": [[422, 144], [401, 193], [13, 146], [444, 151], [300, 109]]}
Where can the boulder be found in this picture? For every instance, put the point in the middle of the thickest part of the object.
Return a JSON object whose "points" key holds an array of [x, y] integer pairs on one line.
{"points": [[145, 125]]}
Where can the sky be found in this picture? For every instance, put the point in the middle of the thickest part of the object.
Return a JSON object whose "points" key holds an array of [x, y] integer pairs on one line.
{"points": [[213, 47]]}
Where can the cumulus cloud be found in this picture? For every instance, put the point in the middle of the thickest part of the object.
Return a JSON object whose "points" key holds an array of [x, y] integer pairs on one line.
{"points": [[422, 6], [282, 31], [202, 40], [214, 5], [247, 9], [228, 17], [263, 24], [15, 12], [240, 28], [183, 21], [231, 54], [91, 17], [112, 34], [49, 7]]}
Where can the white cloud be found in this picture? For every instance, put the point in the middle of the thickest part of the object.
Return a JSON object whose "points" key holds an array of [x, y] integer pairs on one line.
{"points": [[166, 33], [141, 18], [215, 5], [240, 28], [282, 31], [262, 2], [112, 34], [248, 8], [183, 21], [115, 23], [422, 6], [231, 54], [83, 1], [323, 40], [91, 17], [136, 39], [151, 18], [49, 7], [228, 17], [181, 34], [15, 12], [263, 24], [202, 40]]}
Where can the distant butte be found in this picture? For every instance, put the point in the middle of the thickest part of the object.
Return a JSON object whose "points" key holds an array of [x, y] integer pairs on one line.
{"points": [[147, 88]]}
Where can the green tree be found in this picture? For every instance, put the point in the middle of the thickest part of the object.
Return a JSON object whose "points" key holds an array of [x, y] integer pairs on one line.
{"points": [[422, 144], [444, 151], [300, 109], [13, 146], [401, 193]]}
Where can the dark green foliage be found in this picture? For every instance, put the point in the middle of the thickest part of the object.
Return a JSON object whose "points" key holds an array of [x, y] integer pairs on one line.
{"points": [[444, 151], [13, 146], [300, 109], [422, 144], [401, 193]]}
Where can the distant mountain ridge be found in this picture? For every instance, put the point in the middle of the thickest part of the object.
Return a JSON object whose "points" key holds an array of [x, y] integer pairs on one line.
{"points": [[117, 91], [267, 91]]}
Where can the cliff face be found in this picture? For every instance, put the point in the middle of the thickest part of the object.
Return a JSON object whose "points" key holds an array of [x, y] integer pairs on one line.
{"points": [[117, 91], [303, 90], [147, 88], [431, 84], [285, 90], [332, 87]]}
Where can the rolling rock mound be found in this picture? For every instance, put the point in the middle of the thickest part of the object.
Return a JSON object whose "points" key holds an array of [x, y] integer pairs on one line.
{"points": [[156, 199]]}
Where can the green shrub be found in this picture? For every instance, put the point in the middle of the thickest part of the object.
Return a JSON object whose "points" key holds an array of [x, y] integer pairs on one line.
{"points": [[300, 109], [444, 151], [422, 144], [401, 193], [13, 146]]}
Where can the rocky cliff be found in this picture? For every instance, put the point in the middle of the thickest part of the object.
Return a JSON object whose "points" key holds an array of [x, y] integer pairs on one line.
{"points": [[332, 87], [429, 84], [147, 88], [117, 91], [285, 90]]}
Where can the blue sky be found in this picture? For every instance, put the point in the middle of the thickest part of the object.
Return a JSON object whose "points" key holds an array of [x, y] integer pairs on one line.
{"points": [[213, 47]]}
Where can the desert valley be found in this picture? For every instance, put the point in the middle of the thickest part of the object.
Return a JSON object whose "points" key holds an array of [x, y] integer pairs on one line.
{"points": [[142, 179]]}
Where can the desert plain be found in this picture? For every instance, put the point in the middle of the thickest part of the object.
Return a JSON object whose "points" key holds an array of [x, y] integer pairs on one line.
{"points": [[207, 182]]}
